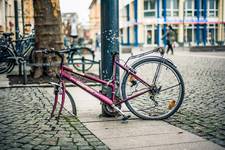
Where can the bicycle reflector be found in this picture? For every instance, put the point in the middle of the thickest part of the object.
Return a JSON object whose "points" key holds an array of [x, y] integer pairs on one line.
{"points": [[132, 80], [171, 104]]}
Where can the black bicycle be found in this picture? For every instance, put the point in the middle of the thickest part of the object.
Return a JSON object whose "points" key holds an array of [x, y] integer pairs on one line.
{"points": [[13, 52], [81, 57]]}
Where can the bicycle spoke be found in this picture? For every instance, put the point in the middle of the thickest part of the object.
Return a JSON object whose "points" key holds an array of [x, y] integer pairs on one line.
{"points": [[170, 87]]}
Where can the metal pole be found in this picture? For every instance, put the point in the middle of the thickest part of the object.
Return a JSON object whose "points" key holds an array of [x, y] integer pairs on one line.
{"points": [[83, 64], [109, 39], [165, 22], [184, 38], [23, 21], [17, 30], [16, 20], [24, 71]]}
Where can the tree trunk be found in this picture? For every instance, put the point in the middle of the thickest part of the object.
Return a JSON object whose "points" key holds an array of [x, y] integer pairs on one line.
{"points": [[48, 32]]}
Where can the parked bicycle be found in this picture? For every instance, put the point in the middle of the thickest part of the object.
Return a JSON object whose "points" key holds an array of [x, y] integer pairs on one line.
{"points": [[79, 55], [13, 52], [151, 88]]}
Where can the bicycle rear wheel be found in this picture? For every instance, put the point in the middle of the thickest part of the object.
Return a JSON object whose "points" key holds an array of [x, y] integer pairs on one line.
{"points": [[6, 65], [164, 95], [85, 53]]}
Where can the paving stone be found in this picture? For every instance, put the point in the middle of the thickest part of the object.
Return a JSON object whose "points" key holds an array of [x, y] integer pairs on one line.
{"points": [[69, 147], [36, 141], [101, 148], [25, 124], [27, 147], [42, 147], [85, 148], [50, 141], [54, 148], [204, 97]]}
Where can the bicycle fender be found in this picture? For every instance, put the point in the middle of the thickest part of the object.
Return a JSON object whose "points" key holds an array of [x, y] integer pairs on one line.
{"points": [[163, 59]]}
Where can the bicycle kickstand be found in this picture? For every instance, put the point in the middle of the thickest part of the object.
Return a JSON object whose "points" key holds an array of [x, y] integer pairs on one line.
{"points": [[125, 117]]}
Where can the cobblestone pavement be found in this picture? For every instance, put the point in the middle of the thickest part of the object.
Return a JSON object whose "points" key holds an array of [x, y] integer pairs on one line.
{"points": [[203, 109], [24, 124]]}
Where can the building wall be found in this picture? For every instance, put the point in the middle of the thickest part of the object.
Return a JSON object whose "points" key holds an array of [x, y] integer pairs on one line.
{"points": [[94, 19], [28, 14], [2, 16], [7, 15], [194, 26]]}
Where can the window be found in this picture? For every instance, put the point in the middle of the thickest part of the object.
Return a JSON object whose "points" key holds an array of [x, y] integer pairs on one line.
{"points": [[172, 8], [188, 8], [175, 7], [212, 33], [149, 8], [212, 8], [190, 34], [128, 12]]}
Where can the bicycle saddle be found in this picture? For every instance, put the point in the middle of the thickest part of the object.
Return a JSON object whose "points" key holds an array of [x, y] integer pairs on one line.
{"points": [[8, 34]]}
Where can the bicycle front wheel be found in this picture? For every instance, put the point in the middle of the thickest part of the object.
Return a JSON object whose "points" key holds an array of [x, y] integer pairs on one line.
{"points": [[83, 55], [165, 89], [69, 103], [6, 64]]}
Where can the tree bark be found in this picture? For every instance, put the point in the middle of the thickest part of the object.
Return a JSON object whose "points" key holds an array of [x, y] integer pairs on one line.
{"points": [[48, 32]]}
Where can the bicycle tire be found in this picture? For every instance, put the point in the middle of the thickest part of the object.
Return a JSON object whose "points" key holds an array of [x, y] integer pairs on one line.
{"points": [[70, 107], [73, 104], [6, 66], [154, 106], [77, 55]]}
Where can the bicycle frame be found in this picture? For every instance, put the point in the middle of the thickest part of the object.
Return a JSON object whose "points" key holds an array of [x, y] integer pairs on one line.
{"points": [[65, 74]]}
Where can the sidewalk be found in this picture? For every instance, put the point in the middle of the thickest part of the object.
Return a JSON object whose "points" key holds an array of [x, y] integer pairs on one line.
{"points": [[25, 124], [4, 82], [136, 134]]}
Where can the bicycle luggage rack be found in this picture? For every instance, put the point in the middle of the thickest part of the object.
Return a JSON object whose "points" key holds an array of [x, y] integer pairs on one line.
{"points": [[24, 65]]}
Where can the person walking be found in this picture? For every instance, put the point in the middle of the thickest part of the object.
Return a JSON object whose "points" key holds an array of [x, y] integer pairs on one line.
{"points": [[97, 41], [74, 33], [169, 40]]}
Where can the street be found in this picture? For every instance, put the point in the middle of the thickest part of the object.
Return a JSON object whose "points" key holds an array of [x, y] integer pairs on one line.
{"points": [[24, 113], [203, 109]]}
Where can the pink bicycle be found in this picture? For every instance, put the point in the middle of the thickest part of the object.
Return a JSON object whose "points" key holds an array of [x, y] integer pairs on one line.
{"points": [[151, 88]]}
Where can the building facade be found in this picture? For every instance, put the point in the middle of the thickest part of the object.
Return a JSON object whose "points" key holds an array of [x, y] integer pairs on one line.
{"points": [[196, 22], [7, 15], [7, 20], [94, 19]]}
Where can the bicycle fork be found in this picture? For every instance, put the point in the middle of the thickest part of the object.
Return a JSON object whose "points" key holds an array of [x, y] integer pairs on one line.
{"points": [[58, 89]]}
